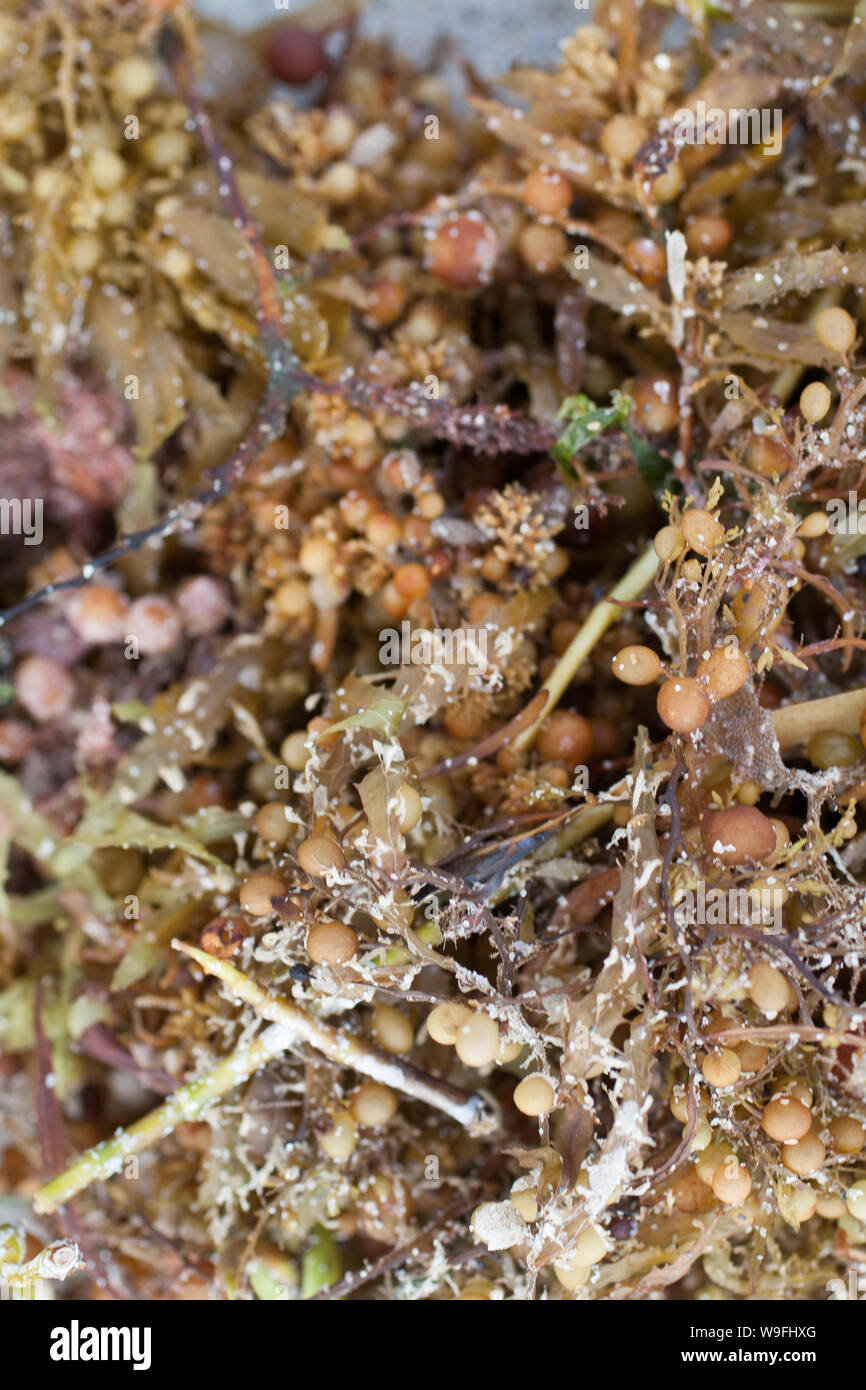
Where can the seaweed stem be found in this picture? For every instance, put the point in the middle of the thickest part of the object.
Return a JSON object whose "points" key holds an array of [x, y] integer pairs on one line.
{"points": [[631, 586], [345, 1049], [187, 1103]]}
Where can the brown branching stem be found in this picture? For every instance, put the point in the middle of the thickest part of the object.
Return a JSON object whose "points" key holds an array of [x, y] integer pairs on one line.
{"points": [[482, 428]]}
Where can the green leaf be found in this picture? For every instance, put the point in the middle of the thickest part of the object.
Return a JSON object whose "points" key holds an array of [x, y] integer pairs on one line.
{"points": [[585, 421], [321, 1265], [134, 829], [272, 1284], [134, 712], [654, 468], [384, 717]]}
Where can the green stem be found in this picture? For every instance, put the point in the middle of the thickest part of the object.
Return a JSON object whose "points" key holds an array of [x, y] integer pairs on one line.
{"points": [[108, 1158], [289, 1024], [631, 586], [344, 1048]]}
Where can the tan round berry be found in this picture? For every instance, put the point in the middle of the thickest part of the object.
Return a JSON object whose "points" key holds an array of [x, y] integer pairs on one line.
{"points": [[257, 891], [794, 1087], [732, 1183], [168, 149], [317, 555], [767, 896], [392, 1030], [338, 1141], [425, 323], [655, 404], [683, 704], [815, 401], [340, 183], [463, 252], [155, 625], [374, 1105], [708, 236], [204, 604], [644, 258], [813, 525], [133, 78], [407, 807], [836, 329], [721, 1067], [668, 544], [386, 300], [829, 1206], [829, 748], [444, 1022], [547, 192], [84, 252], [541, 248], [44, 688], [621, 137], [382, 531], [769, 457], [711, 1160], [589, 1247], [566, 737], [738, 834], [412, 581], [679, 1103], [107, 170], [294, 751], [725, 671], [769, 988], [272, 823], [331, 943], [668, 185], [855, 1200], [636, 665], [97, 613], [292, 598], [786, 1119], [803, 1203], [805, 1156], [571, 1276], [534, 1095], [753, 1057], [508, 1052], [702, 532], [319, 856], [477, 1041], [847, 1134]]}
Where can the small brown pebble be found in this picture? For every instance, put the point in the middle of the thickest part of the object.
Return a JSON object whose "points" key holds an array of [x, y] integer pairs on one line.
{"points": [[44, 688], [463, 252], [296, 55]]}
